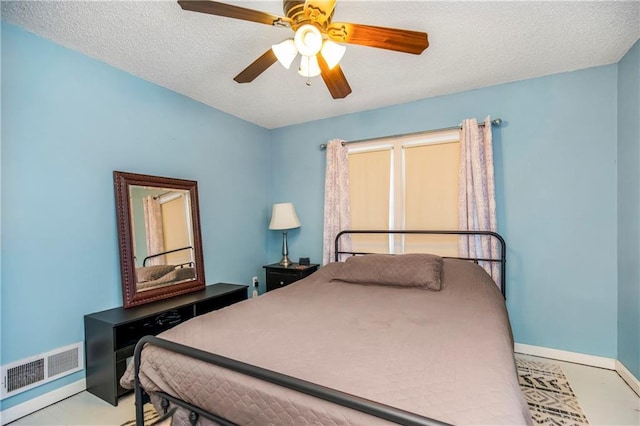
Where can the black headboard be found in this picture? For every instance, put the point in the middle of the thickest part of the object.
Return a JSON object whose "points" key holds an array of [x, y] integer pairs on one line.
{"points": [[501, 260]]}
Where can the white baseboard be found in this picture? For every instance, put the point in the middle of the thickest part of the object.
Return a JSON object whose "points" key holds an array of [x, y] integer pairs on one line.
{"points": [[38, 403], [575, 357], [628, 377], [578, 358]]}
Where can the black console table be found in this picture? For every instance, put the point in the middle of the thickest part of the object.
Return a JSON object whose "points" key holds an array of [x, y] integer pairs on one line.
{"points": [[111, 335]]}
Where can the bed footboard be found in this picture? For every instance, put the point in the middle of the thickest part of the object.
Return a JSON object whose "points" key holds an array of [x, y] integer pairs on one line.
{"points": [[354, 402]]}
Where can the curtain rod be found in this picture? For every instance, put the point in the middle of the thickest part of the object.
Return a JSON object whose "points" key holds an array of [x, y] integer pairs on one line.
{"points": [[495, 122]]}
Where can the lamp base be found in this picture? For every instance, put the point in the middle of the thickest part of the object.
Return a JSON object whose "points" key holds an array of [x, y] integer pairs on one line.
{"points": [[285, 261], [285, 251]]}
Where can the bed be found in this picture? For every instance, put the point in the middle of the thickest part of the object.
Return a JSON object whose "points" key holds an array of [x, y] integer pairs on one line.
{"points": [[361, 342]]}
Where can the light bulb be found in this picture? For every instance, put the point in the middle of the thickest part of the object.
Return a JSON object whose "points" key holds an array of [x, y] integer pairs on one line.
{"points": [[332, 53], [308, 40], [309, 66], [286, 52]]}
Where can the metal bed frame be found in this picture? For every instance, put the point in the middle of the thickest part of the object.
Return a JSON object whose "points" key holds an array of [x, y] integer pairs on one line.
{"points": [[373, 408], [144, 261]]}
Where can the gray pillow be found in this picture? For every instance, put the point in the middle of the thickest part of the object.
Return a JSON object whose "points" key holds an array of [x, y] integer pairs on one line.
{"points": [[402, 270]]}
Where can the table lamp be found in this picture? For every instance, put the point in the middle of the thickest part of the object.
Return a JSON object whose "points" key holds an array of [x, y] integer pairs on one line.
{"points": [[283, 217]]}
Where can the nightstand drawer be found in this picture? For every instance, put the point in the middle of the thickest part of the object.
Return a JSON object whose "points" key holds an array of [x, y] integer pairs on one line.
{"points": [[280, 279]]}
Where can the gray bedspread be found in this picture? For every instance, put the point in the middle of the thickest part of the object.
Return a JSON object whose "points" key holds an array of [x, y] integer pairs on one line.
{"points": [[445, 354]]}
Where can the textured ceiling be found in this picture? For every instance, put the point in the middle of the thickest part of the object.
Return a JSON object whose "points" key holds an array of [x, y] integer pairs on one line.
{"points": [[472, 44]]}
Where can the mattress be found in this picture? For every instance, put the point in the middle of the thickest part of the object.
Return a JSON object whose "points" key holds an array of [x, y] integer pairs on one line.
{"points": [[446, 355]]}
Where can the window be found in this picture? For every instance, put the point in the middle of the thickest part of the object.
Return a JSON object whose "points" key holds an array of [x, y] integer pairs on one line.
{"points": [[409, 182]]}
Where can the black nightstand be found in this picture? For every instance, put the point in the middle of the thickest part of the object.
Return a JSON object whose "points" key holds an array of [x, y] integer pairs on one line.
{"points": [[280, 276]]}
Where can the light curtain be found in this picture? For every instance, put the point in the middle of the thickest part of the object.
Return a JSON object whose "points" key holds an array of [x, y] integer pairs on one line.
{"points": [[337, 216], [153, 230], [476, 194]]}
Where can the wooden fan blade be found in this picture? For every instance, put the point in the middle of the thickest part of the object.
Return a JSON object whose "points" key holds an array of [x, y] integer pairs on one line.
{"points": [[229, 11], [334, 79], [258, 66], [384, 38], [319, 11]]}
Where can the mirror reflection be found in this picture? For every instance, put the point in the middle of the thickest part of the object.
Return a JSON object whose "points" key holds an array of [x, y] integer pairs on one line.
{"points": [[163, 241]]}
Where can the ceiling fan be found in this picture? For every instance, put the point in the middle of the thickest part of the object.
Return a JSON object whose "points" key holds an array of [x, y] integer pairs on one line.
{"points": [[315, 39]]}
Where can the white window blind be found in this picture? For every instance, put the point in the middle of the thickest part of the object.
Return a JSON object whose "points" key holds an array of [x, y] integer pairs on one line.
{"points": [[370, 188], [405, 183]]}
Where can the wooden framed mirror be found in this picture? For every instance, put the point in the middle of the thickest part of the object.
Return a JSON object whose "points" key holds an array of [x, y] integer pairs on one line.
{"points": [[159, 236]]}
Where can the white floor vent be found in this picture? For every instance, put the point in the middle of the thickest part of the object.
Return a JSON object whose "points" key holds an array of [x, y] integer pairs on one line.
{"points": [[28, 373]]}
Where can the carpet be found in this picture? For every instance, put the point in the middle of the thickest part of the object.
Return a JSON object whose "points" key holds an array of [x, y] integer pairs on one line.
{"points": [[150, 416], [545, 387], [548, 393]]}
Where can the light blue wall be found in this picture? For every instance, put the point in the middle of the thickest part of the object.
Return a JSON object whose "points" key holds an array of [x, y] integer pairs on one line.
{"points": [[68, 122], [556, 192], [629, 210]]}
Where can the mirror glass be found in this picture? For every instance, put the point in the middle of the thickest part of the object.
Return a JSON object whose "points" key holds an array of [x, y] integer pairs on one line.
{"points": [[159, 233], [162, 236]]}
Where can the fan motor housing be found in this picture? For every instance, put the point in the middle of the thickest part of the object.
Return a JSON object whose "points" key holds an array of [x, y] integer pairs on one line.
{"points": [[294, 10]]}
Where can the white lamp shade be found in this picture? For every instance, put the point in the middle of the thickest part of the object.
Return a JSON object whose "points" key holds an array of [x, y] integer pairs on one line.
{"points": [[332, 53], [283, 216], [308, 40], [285, 52], [309, 66]]}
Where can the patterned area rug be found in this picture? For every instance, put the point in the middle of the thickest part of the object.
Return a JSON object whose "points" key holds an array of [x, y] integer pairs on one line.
{"points": [[150, 417], [548, 393]]}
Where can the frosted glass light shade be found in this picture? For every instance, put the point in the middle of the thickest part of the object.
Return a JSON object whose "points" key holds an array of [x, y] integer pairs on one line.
{"points": [[308, 40], [283, 216], [309, 66], [332, 53], [286, 52]]}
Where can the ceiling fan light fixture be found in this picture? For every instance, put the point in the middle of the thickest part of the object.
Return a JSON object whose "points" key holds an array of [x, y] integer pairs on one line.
{"points": [[332, 53], [309, 67], [308, 40], [311, 20], [286, 52]]}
